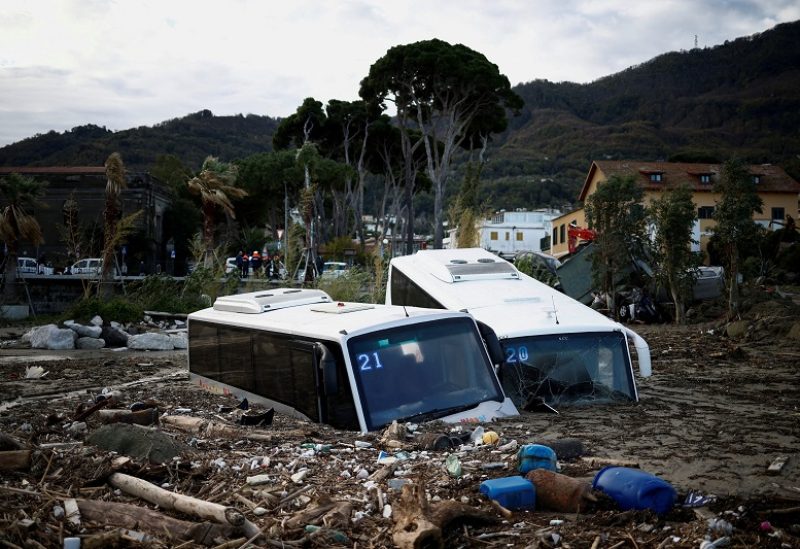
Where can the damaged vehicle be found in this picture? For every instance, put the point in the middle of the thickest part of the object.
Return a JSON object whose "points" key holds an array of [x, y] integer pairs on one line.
{"points": [[555, 349], [354, 366]]}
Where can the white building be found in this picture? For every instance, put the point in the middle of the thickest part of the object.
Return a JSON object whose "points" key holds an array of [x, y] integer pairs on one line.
{"points": [[511, 232]]}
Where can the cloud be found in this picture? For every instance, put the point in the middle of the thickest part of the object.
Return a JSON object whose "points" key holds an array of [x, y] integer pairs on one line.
{"points": [[120, 64]]}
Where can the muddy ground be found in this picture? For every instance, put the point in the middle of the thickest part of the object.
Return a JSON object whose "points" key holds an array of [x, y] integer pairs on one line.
{"points": [[713, 416]]}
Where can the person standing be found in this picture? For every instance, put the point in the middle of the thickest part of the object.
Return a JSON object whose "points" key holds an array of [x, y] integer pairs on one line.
{"points": [[239, 262], [245, 265]]}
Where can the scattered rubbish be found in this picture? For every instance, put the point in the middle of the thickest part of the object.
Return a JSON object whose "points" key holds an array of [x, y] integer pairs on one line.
{"points": [[387, 511], [137, 442], [244, 404], [397, 483], [182, 410], [257, 480], [508, 446], [385, 458], [536, 456], [513, 493], [72, 543], [145, 416], [34, 372], [558, 492], [635, 489], [332, 535], [493, 465], [765, 526], [258, 420], [556, 522], [477, 436], [567, 449], [435, 441], [697, 499], [490, 437], [299, 476], [721, 542], [777, 465], [362, 444], [453, 466], [720, 526]]}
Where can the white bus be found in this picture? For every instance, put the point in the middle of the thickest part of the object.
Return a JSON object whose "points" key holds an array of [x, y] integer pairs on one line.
{"points": [[350, 365], [556, 349]]}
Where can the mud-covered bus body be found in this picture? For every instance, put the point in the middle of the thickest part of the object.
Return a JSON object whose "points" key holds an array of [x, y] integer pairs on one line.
{"points": [[351, 365], [555, 348]]}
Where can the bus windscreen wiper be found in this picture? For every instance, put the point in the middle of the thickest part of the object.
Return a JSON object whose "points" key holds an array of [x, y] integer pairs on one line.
{"points": [[436, 413]]}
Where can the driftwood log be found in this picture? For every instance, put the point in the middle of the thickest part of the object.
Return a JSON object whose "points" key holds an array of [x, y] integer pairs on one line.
{"points": [[14, 460], [156, 524], [148, 416], [419, 524], [207, 428], [185, 504]]}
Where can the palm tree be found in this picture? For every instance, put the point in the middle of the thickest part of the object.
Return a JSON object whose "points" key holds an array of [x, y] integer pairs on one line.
{"points": [[115, 182], [215, 185], [20, 194]]}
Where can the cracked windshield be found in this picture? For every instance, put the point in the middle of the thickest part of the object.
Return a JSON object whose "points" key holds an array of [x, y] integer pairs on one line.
{"points": [[566, 368], [427, 369]]}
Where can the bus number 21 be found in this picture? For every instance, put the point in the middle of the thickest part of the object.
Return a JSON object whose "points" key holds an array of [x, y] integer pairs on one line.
{"points": [[366, 361]]}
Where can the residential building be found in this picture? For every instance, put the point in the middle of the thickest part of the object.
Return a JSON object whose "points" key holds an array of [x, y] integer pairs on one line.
{"points": [[509, 232], [86, 184], [776, 188]]}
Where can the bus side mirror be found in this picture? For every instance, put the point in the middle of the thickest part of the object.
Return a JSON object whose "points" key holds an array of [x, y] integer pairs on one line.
{"points": [[328, 365], [492, 343]]}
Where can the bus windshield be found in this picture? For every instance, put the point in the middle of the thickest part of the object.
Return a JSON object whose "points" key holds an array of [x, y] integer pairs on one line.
{"points": [[422, 371], [563, 368]]}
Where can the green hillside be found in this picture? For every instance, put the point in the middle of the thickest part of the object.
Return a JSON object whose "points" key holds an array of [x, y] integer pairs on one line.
{"points": [[741, 98]]}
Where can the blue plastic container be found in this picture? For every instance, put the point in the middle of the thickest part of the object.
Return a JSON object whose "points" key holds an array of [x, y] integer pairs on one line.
{"points": [[635, 489], [511, 492], [536, 456]]}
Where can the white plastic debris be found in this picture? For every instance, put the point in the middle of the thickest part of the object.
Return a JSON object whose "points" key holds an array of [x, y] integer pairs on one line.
{"points": [[258, 479], [362, 474], [387, 511], [298, 477], [34, 372], [363, 444], [260, 511]]}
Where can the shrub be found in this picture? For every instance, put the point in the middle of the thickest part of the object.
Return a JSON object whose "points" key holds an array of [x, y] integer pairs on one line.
{"points": [[118, 309]]}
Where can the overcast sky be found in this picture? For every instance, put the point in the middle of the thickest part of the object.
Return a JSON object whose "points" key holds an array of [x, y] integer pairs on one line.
{"points": [[127, 63]]}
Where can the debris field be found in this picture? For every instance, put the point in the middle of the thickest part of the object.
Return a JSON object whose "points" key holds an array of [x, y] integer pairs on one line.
{"points": [[118, 449]]}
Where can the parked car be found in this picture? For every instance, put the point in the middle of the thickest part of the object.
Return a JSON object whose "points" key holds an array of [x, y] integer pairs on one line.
{"points": [[89, 266], [27, 265], [334, 269]]}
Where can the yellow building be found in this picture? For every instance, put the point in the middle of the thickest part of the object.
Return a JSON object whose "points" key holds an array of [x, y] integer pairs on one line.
{"points": [[775, 187]]}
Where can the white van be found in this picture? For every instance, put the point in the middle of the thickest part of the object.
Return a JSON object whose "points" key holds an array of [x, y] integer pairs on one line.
{"points": [[27, 265], [350, 365], [556, 349], [89, 266]]}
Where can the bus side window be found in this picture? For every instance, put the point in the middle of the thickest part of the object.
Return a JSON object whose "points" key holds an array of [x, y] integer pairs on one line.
{"points": [[406, 292]]}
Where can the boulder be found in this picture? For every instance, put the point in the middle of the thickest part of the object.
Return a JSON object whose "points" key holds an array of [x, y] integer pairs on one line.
{"points": [[151, 341], [115, 336], [137, 442], [737, 329], [794, 332], [85, 331], [97, 320], [90, 343], [180, 341], [52, 337]]}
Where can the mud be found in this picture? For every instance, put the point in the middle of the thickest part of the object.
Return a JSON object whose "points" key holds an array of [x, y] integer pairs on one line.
{"points": [[713, 416]]}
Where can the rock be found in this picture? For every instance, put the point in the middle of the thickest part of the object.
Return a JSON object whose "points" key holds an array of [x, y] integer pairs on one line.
{"points": [[151, 341], [180, 323], [737, 329], [52, 337], [114, 336], [137, 442], [179, 341], [90, 343], [794, 332], [96, 321], [86, 331]]}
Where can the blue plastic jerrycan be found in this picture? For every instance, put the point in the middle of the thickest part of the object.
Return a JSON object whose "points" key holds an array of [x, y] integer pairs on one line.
{"points": [[536, 456], [511, 492], [635, 489]]}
